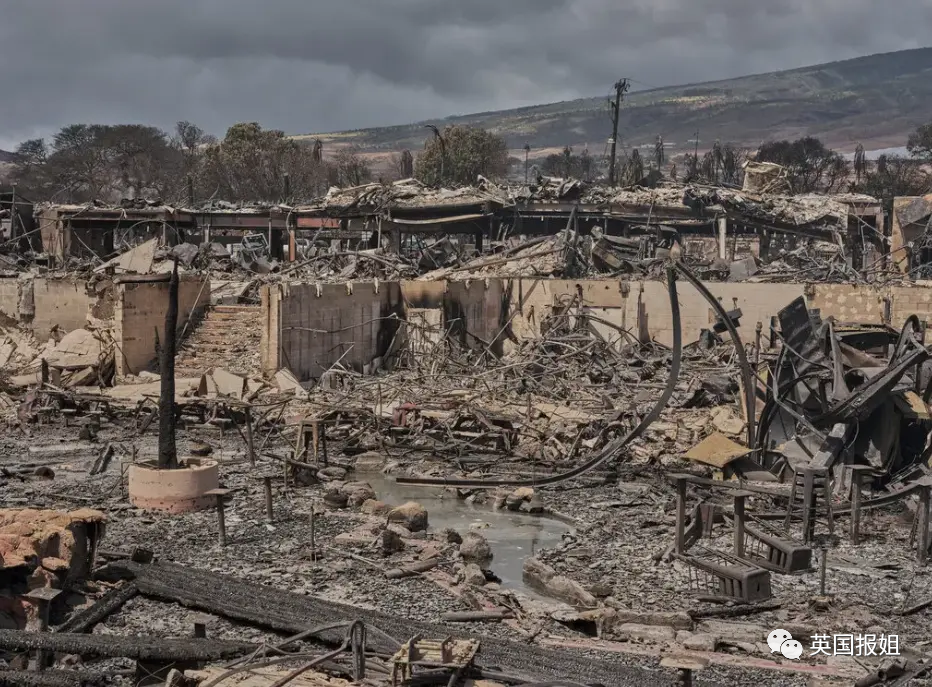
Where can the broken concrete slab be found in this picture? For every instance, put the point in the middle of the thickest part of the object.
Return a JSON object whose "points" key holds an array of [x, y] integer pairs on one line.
{"points": [[742, 269], [220, 383], [78, 350], [716, 450], [137, 260], [287, 382], [657, 634]]}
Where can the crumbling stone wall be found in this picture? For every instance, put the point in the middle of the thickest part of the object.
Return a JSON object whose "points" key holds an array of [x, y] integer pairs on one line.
{"points": [[43, 548]]}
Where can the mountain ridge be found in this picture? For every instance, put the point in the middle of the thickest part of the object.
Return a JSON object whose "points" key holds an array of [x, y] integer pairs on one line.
{"points": [[875, 99]]}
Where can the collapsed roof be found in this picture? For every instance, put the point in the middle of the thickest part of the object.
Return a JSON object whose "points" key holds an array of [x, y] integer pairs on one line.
{"points": [[409, 194]]}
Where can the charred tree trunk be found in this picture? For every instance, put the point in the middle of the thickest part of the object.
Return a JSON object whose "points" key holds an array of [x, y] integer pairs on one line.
{"points": [[168, 451]]}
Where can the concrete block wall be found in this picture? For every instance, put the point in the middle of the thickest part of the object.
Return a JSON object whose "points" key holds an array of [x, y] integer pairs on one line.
{"points": [[617, 302], [848, 302], [9, 300], [470, 310], [476, 308], [865, 304], [317, 325], [62, 303], [139, 313], [906, 301], [758, 302], [308, 327], [532, 302]]}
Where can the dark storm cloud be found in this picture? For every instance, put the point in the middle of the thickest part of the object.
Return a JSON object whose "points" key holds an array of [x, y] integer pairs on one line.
{"points": [[317, 65]]}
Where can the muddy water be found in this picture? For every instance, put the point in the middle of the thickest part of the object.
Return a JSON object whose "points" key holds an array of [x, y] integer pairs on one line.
{"points": [[512, 536]]}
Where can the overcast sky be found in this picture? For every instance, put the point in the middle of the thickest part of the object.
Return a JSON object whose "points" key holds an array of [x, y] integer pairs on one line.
{"points": [[322, 65]]}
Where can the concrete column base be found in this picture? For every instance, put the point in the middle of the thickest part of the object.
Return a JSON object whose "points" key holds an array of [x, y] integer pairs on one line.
{"points": [[174, 491]]}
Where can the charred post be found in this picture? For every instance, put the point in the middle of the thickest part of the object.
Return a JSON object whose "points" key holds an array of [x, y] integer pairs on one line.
{"points": [[168, 450]]}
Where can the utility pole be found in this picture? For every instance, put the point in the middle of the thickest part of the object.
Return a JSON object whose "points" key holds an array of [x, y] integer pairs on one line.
{"points": [[621, 87], [527, 151], [13, 211]]}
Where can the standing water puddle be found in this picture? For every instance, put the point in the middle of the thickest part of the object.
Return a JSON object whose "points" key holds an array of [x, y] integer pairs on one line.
{"points": [[514, 537]]}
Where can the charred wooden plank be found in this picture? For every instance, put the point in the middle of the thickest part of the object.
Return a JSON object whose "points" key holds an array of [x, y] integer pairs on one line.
{"points": [[111, 602], [49, 678], [110, 646], [284, 611]]}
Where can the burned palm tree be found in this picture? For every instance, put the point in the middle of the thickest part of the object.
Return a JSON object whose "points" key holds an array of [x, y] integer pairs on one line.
{"points": [[691, 163], [168, 451], [635, 168], [707, 167], [407, 164], [731, 165], [860, 164]]}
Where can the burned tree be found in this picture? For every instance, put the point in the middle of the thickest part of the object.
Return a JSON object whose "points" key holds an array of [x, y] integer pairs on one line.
{"points": [[407, 164], [168, 451], [811, 166]]}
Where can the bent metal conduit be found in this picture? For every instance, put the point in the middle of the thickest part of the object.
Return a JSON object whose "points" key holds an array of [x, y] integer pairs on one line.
{"points": [[609, 451], [748, 379]]}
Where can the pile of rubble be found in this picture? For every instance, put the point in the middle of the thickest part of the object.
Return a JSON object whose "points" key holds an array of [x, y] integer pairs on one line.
{"points": [[570, 255], [43, 550], [360, 265], [688, 484], [406, 193], [83, 357], [631, 413]]}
